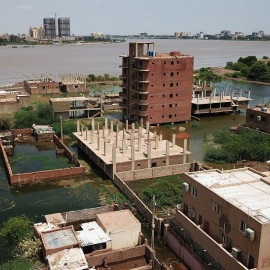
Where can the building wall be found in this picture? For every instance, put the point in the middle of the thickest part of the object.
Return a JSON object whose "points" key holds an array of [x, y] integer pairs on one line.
{"points": [[252, 120], [11, 106], [203, 205], [42, 87]]}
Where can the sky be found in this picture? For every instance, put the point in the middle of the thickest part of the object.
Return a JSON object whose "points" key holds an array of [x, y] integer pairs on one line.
{"points": [[133, 17]]}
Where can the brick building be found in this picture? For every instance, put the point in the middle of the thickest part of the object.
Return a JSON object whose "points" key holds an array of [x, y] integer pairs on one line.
{"points": [[41, 86], [258, 118], [157, 87], [225, 217]]}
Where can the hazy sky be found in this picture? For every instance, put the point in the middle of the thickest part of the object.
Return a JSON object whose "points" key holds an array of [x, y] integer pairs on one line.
{"points": [[133, 17]]}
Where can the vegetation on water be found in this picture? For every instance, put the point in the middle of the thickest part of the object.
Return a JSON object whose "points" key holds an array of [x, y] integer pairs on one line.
{"points": [[250, 68], [227, 147], [18, 233], [206, 75]]}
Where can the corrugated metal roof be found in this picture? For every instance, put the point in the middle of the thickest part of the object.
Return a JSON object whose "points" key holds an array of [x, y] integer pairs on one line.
{"points": [[92, 234]]}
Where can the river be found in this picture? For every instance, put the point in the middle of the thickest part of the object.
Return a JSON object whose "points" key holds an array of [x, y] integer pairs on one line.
{"points": [[38, 200], [15, 63]]}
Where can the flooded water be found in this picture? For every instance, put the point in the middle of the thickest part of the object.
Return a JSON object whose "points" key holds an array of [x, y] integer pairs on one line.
{"points": [[15, 63]]}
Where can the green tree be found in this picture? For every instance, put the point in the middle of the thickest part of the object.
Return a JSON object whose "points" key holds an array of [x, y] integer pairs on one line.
{"points": [[25, 117], [257, 69], [6, 121], [16, 228], [249, 60], [45, 113]]}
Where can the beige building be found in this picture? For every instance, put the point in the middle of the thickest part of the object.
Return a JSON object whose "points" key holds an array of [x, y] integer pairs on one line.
{"points": [[122, 227], [226, 218], [37, 32]]}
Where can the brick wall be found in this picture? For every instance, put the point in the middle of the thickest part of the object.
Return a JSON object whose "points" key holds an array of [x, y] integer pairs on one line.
{"points": [[26, 131]]}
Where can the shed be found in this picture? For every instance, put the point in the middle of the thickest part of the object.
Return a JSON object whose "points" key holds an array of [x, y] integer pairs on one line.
{"points": [[122, 227]]}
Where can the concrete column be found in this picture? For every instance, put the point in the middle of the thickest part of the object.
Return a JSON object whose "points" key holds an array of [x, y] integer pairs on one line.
{"points": [[185, 151], [124, 133], [126, 124], [106, 123], [173, 140], [133, 127], [98, 129], [105, 148], [111, 126], [114, 160], [116, 139], [149, 154], [139, 142], [248, 94], [93, 124], [92, 136], [155, 134], [157, 142], [81, 129], [147, 127], [160, 137], [78, 125], [141, 122], [148, 136], [103, 132], [86, 134], [98, 142], [240, 93], [132, 157], [167, 153], [124, 146], [117, 127]]}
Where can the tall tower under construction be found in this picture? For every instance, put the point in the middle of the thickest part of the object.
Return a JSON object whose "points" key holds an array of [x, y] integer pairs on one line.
{"points": [[157, 87], [49, 28], [63, 27]]}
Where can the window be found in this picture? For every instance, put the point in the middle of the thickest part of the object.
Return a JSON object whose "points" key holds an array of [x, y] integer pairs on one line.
{"points": [[140, 63], [171, 95], [215, 207], [170, 116], [251, 116], [176, 94], [152, 85], [163, 95], [150, 117], [175, 115], [151, 107], [170, 105], [153, 63], [171, 84], [162, 105], [164, 63], [177, 72], [178, 62], [162, 116], [163, 84], [152, 74], [172, 74], [243, 226], [172, 63], [164, 74], [151, 96], [175, 104], [177, 84], [44, 87], [194, 192]]}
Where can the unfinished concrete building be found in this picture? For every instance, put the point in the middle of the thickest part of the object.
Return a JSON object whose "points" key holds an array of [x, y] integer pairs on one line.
{"points": [[224, 219], [73, 83], [76, 107], [129, 149], [41, 86], [12, 101], [157, 87], [205, 101]]}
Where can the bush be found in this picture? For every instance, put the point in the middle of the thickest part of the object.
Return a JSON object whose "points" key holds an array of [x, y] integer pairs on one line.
{"points": [[229, 65], [6, 121], [265, 57], [16, 228]]}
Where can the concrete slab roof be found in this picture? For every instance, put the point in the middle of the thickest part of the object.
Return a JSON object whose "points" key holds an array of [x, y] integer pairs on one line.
{"points": [[245, 188], [216, 99], [126, 156], [92, 234], [259, 109], [117, 219], [68, 99], [68, 259]]}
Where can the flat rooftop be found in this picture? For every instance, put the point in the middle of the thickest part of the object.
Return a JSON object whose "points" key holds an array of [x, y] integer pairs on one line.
{"points": [[259, 109], [68, 99], [117, 219], [217, 99], [126, 155], [246, 189]]}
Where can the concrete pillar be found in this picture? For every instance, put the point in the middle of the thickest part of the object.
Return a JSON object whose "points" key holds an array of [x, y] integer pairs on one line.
{"points": [[148, 136], [133, 127], [167, 153], [103, 132], [124, 146], [139, 142], [124, 134], [116, 139], [132, 157], [157, 142], [105, 148], [149, 154], [155, 134], [141, 122], [93, 124], [114, 160], [173, 140], [98, 142], [78, 125], [92, 136], [126, 124], [81, 129], [111, 126], [147, 127], [98, 129], [106, 123], [86, 134], [160, 137], [185, 151], [117, 127], [131, 138]]}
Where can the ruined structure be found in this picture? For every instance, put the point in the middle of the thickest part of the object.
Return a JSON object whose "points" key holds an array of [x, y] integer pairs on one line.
{"points": [[76, 107], [73, 83], [41, 86], [131, 150], [157, 87]]}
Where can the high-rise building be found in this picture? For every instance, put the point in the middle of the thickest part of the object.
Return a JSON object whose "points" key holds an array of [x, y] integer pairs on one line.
{"points": [[49, 27], [156, 87], [36, 32], [63, 27]]}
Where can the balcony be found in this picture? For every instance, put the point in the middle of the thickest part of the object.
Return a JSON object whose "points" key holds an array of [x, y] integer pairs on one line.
{"points": [[140, 101], [140, 112], [123, 105], [123, 95], [139, 81]]}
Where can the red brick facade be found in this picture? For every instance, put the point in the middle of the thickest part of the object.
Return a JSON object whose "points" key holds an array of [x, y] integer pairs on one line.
{"points": [[156, 88]]}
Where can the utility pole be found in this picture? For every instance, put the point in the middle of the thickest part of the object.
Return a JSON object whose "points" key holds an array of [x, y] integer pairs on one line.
{"points": [[153, 204]]}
